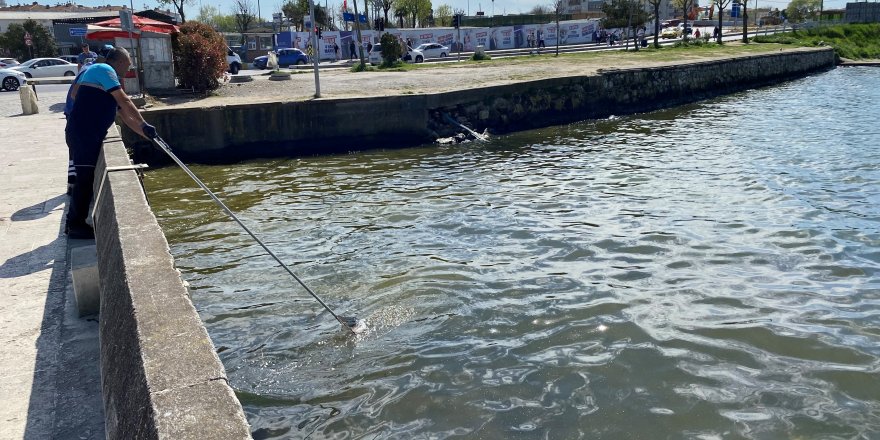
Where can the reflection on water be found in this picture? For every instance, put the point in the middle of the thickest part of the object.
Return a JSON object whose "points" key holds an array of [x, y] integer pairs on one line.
{"points": [[705, 272]]}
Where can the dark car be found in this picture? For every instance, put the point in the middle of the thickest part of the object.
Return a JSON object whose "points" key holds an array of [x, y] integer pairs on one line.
{"points": [[286, 57]]}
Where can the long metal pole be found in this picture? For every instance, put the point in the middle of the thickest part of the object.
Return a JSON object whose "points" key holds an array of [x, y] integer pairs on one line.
{"points": [[315, 52], [164, 146]]}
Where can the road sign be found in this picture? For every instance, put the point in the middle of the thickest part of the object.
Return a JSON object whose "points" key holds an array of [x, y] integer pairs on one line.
{"points": [[77, 32], [125, 21], [27, 39]]}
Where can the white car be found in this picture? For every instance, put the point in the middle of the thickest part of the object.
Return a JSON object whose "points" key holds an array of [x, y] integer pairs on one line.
{"points": [[6, 63], [433, 50], [47, 68], [411, 55], [11, 79]]}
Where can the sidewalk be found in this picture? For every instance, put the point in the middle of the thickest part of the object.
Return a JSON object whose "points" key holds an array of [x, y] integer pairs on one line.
{"points": [[50, 381]]}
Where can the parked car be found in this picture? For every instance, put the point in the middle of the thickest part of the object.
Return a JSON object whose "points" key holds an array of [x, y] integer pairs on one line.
{"points": [[685, 30], [286, 57], [234, 61], [433, 50], [46, 67], [375, 55], [73, 59], [6, 63], [11, 79], [411, 55], [670, 32]]}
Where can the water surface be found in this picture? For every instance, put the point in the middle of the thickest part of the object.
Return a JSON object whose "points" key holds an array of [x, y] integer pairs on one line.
{"points": [[704, 272]]}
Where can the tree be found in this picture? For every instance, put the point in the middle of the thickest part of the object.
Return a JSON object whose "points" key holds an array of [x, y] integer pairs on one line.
{"points": [[443, 15], [557, 6], [243, 10], [208, 14], [178, 6], [655, 5], [417, 10], [800, 10], [386, 6], [540, 10], [297, 10], [627, 14], [391, 50], [226, 23], [684, 5], [43, 42], [720, 4], [199, 56]]}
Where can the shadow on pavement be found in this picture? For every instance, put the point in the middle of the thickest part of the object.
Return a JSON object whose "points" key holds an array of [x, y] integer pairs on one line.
{"points": [[39, 210], [65, 400]]}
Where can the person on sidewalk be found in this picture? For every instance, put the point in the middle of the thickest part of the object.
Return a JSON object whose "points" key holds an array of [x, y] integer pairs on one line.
{"points": [[68, 105], [84, 56], [336, 50], [351, 49], [95, 103]]}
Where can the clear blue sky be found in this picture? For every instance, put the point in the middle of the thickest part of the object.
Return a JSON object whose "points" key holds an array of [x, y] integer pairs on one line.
{"points": [[267, 7]]}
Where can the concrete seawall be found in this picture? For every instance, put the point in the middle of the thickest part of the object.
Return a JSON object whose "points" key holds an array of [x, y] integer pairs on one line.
{"points": [[235, 132], [161, 377]]}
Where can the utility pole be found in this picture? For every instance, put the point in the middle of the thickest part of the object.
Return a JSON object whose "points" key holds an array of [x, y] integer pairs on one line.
{"points": [[745, 22], [315, 52], [357, 24]]}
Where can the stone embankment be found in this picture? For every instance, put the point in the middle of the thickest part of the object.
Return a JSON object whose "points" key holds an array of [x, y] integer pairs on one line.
{"points": [[232, 132]]}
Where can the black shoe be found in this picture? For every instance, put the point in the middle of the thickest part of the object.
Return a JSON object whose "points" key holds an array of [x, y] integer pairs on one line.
{"points": [[80, 232]]}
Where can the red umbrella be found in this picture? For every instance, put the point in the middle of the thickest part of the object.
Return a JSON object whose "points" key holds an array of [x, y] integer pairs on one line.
{"points": [[143, 24]]}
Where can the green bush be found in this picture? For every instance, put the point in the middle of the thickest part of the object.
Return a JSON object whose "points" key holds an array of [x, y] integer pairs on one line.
{"points": [[199, 56], [482, 57], [391, 50]]}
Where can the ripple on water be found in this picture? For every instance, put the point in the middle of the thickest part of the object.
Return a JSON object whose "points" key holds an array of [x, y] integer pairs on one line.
{"points": [[694, 272]]}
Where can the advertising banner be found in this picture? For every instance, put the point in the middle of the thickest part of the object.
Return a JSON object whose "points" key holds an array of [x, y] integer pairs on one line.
{"points": [[327, 41], [501, 38]]}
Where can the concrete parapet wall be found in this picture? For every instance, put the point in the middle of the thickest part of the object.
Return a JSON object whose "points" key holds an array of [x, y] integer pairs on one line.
{"points": [[236, 132], [161, 377]]}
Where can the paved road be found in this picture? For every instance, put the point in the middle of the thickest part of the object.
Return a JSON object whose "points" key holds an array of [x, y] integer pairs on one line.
{"points": [[50, 381]]}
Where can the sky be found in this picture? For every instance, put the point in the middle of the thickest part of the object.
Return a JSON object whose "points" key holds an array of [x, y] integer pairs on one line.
{"points": [[500, 7]]}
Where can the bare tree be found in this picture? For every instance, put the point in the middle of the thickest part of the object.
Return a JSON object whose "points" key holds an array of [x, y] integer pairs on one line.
{"points": [[720, 4], [557, 7], [178, 6], [243, 10]]}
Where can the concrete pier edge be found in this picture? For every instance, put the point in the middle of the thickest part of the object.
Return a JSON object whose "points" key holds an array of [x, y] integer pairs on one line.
{"points": [[160, 374]]}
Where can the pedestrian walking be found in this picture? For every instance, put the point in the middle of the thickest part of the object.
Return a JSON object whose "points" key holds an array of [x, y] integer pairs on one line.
{"points": [[716, 32], [351, 49], [336, 50], [95, 104], [697, 34]]}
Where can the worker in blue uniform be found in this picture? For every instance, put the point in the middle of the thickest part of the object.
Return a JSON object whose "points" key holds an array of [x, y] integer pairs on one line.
{"points": [[96, 98]]}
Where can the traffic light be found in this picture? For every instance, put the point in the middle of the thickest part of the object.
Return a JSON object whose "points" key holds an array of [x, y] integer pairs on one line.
{"points": [[318, 31], [382, 24], [456, 21]]}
